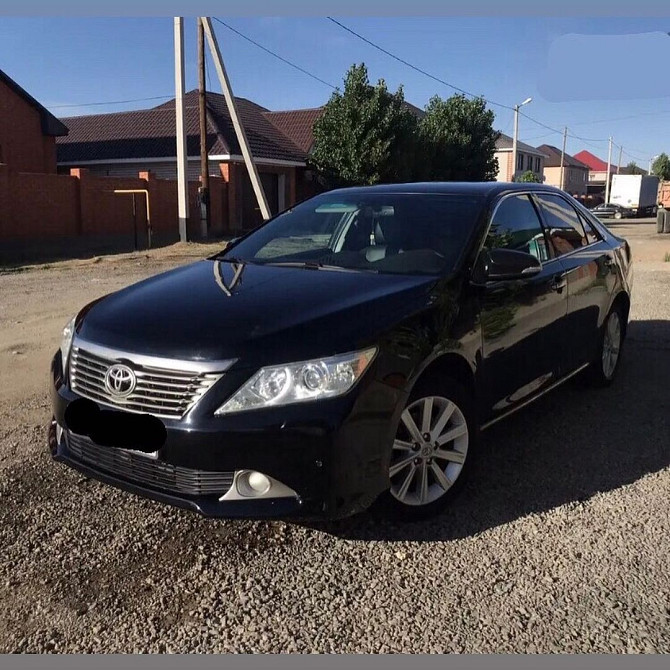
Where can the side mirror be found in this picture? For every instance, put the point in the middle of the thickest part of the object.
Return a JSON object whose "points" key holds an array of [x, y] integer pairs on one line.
{"points": [[503, 264]]}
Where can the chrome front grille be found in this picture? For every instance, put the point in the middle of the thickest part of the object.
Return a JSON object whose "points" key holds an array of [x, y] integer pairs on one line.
{"points": [[167, 393], [146, 470]]}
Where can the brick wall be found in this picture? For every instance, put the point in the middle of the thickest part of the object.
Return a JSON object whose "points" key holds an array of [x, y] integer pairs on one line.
{"points": [[37, 204], [22, 145], [40, 207]]}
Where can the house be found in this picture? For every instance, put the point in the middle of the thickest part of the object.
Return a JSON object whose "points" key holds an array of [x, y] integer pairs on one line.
{"points": [[597, 170], [575, 173], [122, 144], [527, 158], [28, 131]]}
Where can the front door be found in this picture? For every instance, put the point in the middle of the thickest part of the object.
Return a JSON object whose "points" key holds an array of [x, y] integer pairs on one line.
{"points": [[522, 321]]}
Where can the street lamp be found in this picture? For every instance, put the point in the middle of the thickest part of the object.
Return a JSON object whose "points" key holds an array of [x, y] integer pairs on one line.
{"points": [[651, 160], [516, 134]]}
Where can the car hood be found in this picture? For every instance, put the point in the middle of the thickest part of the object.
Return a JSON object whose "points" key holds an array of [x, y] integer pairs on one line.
{"points": [[216, 310]]}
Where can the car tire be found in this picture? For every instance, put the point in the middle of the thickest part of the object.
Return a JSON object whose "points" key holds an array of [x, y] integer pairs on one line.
{"points": [[617, 215], [431, 476], [603, 369]]}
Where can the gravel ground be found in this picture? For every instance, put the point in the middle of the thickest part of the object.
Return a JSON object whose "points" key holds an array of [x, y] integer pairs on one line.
{"points": [[559, 544]]}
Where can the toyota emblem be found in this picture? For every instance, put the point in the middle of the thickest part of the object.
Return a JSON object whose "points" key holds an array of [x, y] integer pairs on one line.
{"points": [[120, 380]]}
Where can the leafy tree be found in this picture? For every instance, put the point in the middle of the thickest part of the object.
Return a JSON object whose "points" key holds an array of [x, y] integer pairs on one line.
{"points": [[365, 134], [530, 177], [634, 168], [457, 140], [661, 167]]}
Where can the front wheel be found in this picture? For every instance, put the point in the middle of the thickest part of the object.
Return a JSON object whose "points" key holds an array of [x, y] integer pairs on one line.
{"points": [[617, 215], [432, 451]]}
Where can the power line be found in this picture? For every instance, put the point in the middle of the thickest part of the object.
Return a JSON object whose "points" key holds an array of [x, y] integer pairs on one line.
{"points": [[414, 67], [111, 102], [276, 55], [622, 118], [446, 83]]}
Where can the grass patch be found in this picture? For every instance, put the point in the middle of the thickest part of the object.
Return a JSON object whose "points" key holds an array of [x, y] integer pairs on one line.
{"points": [[667, 257]]}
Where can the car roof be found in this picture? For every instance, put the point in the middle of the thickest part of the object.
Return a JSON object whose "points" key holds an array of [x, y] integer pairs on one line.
{"points": [[488, 189]]}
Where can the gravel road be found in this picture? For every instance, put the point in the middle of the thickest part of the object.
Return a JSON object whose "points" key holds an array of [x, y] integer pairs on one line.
{"points": [[560, 543]]}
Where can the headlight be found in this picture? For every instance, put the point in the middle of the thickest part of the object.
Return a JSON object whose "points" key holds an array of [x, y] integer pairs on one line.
{"points": [[66, 342], [300, 382]]}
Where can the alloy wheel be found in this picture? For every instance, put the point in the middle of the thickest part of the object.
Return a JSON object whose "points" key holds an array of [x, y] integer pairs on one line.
{"points": [[429, 451], [611, 344]]}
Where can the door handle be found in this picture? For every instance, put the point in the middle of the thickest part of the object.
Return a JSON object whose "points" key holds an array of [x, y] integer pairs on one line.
{"points": [[558, 282]]}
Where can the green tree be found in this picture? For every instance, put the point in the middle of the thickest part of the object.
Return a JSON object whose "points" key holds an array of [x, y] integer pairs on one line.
{"points": [[530, 177], [633, 168], [661, 167], [366, 134], [457, 140]]}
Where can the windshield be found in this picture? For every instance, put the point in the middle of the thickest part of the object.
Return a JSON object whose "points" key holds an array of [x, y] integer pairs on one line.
{"points": [[388, 233]]}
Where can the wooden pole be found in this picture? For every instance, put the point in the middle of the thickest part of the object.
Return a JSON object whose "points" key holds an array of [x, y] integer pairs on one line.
{"points": [[234, 115], [565, 139], [204, 162]]}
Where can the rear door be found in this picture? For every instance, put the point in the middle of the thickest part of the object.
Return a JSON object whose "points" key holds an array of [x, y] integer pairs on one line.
{"points": [[587, 260], [522, 321]]}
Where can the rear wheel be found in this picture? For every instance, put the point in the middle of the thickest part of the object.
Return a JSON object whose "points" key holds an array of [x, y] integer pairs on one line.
{"points": [[432, 451], [604, 368], [617, 215]]}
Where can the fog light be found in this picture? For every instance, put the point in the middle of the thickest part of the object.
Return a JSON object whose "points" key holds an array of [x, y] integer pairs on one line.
{"points": [[252, 484]]}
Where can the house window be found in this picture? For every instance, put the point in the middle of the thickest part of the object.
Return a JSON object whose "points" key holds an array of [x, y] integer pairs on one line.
{"points": [[537, 164], [519, 162], [530, 163]]}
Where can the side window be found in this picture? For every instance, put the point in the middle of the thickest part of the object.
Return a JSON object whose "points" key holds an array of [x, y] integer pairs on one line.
{"points": [[591, 233], [516, 225], [564, 226]]}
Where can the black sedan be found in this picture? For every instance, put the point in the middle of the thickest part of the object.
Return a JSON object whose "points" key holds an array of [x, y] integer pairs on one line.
{"points": [[346, 353], [612, 211]]}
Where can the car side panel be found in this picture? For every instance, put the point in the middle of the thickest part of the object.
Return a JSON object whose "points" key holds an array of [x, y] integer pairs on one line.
{"points": [[591, 274], [523, 327]]}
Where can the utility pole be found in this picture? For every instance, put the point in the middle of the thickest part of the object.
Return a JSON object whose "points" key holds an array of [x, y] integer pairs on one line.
{"points": [[515, 139], [565, 139], [182, 184], [235, 117], [609, 170], [618, 167], [204, 163]]}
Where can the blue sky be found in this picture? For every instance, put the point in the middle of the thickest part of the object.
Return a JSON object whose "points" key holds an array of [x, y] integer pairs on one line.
{"points": [[583, 73]]}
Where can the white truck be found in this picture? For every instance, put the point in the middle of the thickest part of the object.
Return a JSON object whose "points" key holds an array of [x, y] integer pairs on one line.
{"points": [[635, 191]]}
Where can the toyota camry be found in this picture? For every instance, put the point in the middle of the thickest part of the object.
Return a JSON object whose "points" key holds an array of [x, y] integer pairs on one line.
{"points": [[347, 353]]}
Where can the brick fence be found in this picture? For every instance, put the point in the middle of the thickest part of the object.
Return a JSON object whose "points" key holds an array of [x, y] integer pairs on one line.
{"points": [[45, 215]]}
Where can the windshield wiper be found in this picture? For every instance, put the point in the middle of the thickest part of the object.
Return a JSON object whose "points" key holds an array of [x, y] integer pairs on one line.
{"points": [[313, 265]]}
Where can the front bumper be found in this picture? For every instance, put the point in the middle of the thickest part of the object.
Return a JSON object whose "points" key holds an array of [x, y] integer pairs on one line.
{"points": [[332, 454]]}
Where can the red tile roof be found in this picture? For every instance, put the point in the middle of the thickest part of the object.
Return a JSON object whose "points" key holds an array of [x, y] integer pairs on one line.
{"points": [[593, 162], [150, 133], [297, 125]]}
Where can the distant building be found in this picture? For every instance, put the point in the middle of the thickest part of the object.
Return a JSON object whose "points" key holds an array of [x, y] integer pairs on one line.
{"points": [[527, 158], [28, 130], [575, 173]]}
